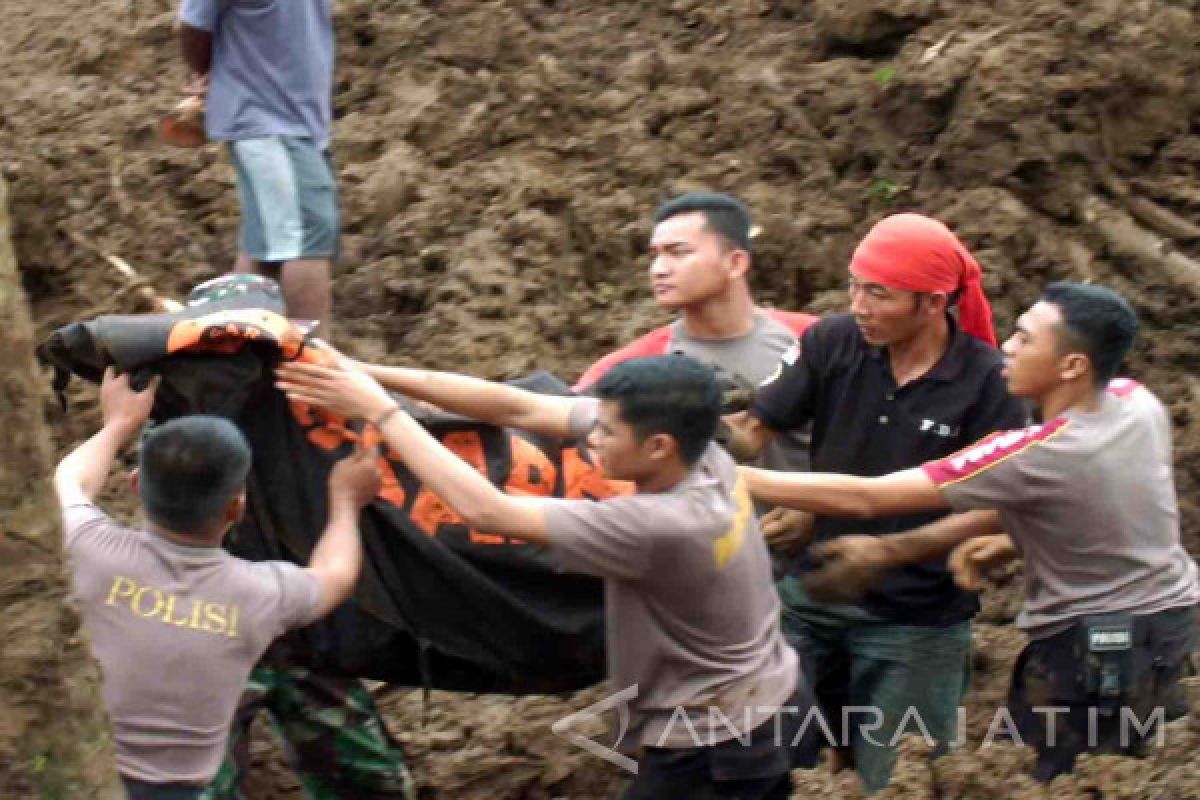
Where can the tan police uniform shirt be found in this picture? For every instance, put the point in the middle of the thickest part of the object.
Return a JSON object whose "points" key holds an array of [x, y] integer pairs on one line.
{"points": [[691, 610], [176, 630], [1089, 499]]}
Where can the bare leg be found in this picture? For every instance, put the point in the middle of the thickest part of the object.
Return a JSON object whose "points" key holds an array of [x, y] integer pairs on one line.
{"points": [[308, 291], [245, 264]]}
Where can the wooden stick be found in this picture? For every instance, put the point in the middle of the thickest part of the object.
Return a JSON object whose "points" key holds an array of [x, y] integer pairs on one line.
{"points": [[1148, 212], [1161, 219], [1126, 237], [131, 276], [118, 186]]}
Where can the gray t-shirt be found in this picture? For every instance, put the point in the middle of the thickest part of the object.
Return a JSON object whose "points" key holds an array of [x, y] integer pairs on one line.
{"points": [[1089, 499], [176, 630], [272, 67], [691, 611], [750, 360]]}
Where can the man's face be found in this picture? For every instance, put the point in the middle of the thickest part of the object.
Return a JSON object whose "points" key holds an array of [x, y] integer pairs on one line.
{"points": [[691, 264], [886, 315], [615, 445], [1033, 357]]}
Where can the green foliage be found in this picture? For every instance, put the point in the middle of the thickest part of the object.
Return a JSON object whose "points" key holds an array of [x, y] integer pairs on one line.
{"points": [[887, 190], [884, 75]]}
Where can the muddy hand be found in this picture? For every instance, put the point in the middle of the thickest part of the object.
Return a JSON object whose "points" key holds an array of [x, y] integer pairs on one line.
{"points": [[849, 567], [786, 530], [974, 558], [731, 434]]}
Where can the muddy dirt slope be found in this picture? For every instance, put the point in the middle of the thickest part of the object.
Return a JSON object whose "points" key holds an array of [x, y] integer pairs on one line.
{"points": [[499, 161]]}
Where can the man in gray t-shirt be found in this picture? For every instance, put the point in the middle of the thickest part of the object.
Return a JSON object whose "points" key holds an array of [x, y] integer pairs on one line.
{"points": [[694, 643], [174, 620], [266, 67], [701, 253], [1087, 497]]}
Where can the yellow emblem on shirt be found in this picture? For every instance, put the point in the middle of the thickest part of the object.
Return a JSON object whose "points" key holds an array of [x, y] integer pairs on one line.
{"points": [[148, 602], [729, 543]]}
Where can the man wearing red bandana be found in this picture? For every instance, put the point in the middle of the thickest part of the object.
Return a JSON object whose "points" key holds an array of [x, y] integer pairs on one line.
{"points": [[910, 375], [1088, 498]]}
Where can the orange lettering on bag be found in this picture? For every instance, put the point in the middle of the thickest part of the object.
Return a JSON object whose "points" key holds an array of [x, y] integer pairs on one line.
{"points": [[583, 480]]}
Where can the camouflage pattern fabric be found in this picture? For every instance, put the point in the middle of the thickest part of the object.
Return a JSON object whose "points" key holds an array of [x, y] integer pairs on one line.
{"points": [[331, 731]]}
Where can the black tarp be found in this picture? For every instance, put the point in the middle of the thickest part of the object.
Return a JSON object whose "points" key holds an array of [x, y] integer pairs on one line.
{"points": [[446, 611]]}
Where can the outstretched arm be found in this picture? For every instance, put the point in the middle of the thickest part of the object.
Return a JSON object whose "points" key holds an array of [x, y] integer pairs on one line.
{"points": [[355, 394], [927, 543], [482, 505], [487, 401], [852, 565], [493, 403], [846, 495], [81, 474]]}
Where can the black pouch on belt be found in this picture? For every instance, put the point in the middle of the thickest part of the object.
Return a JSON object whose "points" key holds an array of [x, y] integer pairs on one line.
{"points": [[1107, 644]]}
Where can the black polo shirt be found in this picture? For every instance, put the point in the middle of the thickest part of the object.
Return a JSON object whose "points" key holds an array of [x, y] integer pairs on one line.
{"points": [[862, 424]]}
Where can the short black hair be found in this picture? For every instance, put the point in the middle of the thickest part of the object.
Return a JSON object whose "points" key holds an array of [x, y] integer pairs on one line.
{"points": [[724, 215], [190, 468], [670, 394], [1097, 321]]}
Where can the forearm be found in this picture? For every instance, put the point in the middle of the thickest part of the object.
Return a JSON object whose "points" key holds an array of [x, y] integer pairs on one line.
{"points": [[85, 469], [816, 493], [845, 495], [486, 401], [340, 545], [482, 505], [196, 46], [337, 558], [937, 539]]}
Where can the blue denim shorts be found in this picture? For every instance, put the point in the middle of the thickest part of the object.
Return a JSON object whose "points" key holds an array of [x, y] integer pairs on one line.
{"points": [[288, 196]]}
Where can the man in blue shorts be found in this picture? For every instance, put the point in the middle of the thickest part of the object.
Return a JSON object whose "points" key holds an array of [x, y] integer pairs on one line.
{"points": [[267, 67]]}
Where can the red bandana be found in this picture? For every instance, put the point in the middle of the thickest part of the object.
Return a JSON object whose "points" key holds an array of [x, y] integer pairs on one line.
{"points": [[919, 254]]}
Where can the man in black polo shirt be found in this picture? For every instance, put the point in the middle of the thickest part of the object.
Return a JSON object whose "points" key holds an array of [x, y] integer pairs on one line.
{"points": [[896, 382]]}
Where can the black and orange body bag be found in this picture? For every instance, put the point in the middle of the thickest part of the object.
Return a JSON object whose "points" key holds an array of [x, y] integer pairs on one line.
{"points": [[438, 604]]}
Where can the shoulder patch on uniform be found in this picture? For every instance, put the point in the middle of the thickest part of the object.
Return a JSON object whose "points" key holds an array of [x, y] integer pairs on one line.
{"points": [[990, 451], [774, 376], [788, 359]]}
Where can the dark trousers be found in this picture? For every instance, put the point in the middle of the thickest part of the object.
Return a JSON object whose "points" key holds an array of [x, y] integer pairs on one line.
{"points": [[1052, 673], [734, 770], [137, 790]]}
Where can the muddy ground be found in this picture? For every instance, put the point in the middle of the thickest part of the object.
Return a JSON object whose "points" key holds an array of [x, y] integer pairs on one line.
{"points": [[499, 160]]}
